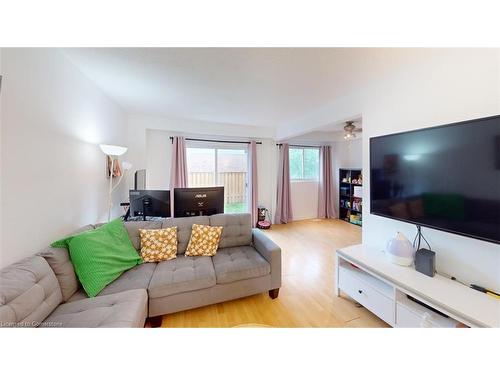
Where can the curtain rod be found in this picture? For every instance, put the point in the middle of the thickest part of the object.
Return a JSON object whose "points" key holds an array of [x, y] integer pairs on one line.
{"points": [[217, 141], [305, 146]]}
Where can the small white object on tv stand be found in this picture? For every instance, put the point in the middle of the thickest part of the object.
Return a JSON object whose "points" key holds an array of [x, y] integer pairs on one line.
{"points": [[368, 277]]}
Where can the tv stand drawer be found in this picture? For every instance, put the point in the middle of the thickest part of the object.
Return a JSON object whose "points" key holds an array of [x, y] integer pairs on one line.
{"points": [[365, 292]]}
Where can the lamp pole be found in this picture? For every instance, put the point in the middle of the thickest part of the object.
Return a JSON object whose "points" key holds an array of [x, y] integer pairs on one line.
{"points": [[110, 187]]}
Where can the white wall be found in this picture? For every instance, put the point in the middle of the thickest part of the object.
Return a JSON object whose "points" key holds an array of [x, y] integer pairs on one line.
{"points": [[348, 154], [52, 171], [451, 85], [304, 199], [152, 149], [159, 156]]}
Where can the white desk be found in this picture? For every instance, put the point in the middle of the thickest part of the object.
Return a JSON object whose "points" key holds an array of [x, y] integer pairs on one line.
{"points": [[384, 285]]}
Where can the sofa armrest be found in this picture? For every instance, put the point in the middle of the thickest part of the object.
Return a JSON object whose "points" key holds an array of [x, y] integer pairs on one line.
{"points": [[271, 252]]}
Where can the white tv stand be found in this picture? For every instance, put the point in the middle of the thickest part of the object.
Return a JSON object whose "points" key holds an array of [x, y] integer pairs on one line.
{"points": [[365, 275]]}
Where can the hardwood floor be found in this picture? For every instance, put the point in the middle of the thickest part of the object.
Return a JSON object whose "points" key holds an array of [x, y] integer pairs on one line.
{"points": [[306, 297]]}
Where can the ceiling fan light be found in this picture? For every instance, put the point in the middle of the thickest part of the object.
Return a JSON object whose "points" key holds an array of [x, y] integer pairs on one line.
{"points": [[350, 130]]}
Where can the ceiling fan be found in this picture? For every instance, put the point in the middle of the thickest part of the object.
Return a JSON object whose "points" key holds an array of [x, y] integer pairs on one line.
{"points": [[351, 130]]}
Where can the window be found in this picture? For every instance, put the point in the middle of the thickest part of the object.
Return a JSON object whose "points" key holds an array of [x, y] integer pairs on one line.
{"points": [[220, 166], [304, 163]]}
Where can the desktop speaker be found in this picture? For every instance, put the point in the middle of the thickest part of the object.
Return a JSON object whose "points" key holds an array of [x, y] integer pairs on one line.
{"points": [[425, 262]]}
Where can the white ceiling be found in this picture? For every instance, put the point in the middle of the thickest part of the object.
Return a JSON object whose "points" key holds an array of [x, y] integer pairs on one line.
{"points": [[244, 86]]}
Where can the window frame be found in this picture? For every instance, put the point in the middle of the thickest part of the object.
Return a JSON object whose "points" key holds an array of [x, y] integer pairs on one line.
{"points": [[228, 146], [303, 179]]}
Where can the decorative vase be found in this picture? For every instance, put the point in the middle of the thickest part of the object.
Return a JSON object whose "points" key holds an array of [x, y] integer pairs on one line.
{"points": [[400, 251]]}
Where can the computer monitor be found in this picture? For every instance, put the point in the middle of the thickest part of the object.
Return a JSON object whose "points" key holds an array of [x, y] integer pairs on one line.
{"points": [[200, 201], [155, 203], [140, 179]]}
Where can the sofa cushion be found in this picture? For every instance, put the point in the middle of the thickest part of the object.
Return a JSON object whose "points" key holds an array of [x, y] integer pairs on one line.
{"points": [[80, 294], [135, 278], [239, 263], [133, 227], [184, 225], [29, 292], [125, 309], [237, 229], [181, 275], [138, 277], [60, 262]]}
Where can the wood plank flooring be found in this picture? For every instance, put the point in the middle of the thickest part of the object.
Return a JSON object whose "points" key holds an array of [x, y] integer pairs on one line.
{"points": [[306, 297]]}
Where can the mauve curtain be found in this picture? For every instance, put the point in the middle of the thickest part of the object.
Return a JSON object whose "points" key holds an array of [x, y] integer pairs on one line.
{"points": [[253, 181], [325, 199], [284, 200], [178, 167]]}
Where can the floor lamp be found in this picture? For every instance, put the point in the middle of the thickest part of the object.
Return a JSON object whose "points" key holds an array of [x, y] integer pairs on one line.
{"points": [[112, 151]]}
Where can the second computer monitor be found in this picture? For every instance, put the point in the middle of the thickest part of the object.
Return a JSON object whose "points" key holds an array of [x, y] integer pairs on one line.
{"points": [[202, 201], [154, 203]]}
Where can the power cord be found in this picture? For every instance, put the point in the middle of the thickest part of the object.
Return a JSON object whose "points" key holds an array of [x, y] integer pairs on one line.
{"points": [[418, 237], [452, 278]]}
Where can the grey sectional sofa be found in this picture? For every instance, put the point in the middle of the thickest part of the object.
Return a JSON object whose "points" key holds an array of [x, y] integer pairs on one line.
{"points": [[43, 290]]}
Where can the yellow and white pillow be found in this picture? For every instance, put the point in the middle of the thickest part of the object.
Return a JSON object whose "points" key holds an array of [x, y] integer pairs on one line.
{"points": [[158, 244], [204, 240]]}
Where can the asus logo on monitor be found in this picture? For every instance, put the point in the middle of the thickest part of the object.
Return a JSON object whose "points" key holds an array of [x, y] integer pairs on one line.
{"points": [[200, 196]]}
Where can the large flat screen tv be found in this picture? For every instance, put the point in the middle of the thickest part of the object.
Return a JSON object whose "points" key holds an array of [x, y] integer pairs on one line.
{"points": [[445, 177]]}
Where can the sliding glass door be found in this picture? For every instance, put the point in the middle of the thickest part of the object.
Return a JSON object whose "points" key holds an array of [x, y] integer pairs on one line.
{"points": [[220, 165]]}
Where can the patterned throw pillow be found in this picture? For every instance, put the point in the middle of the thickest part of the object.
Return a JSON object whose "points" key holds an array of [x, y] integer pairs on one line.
{"points": [[158, 244], [204, 240]]}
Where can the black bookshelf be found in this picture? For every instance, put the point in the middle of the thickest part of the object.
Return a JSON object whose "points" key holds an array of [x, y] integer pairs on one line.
{"points": [[350, 206]]}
